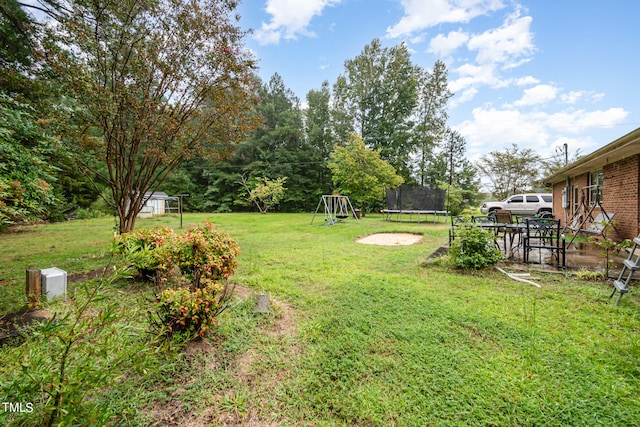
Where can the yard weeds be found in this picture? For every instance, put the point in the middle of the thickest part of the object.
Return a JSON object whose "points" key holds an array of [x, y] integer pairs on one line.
{"points": [[80, 351], [360, 335]]}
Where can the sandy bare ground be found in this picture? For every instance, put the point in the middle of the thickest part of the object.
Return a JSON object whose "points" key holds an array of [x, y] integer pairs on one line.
{"points": [[390, 239]]}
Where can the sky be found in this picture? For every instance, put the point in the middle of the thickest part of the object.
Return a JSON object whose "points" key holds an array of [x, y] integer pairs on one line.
{"points": [[536, 73]]}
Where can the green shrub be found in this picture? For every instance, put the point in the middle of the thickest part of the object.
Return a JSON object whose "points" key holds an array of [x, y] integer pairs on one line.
{"points": [[87, 213], [203, 252], [147, 250], [589, 275], [26, 173], [183, 314], [61, 365], [609, 246], [205, 257], [474, 249], [443, 261]]}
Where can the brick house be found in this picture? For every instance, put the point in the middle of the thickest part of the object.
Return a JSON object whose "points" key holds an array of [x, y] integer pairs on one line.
{"points": [[610, 175]]}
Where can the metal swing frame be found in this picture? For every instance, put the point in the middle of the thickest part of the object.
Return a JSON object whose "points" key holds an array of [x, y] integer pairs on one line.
{"points": [[336, 209]]}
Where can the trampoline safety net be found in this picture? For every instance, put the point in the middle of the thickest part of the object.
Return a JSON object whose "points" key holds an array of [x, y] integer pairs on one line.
{"points": [[410, 198]]}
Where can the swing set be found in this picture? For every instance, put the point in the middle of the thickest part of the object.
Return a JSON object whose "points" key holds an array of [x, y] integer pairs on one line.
{"points": [[584, 214], [336, 209]]}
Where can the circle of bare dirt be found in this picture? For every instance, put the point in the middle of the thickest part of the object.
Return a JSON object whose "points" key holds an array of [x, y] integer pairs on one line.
{"points": [[390, 239]]}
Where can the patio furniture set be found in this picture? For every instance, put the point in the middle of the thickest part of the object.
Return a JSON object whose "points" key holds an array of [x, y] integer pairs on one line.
{"points": [[512, 234]]}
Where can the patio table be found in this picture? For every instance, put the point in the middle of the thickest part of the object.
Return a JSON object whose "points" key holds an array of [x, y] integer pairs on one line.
{"points": [[510, 229]]}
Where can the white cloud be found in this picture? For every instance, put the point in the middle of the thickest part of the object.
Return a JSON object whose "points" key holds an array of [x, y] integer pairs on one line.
{"points": [[471, 75], [576, 95], [289, 18], [511, 44], [525, 81], [445, 45], [572, 97], [577, 121], [537, 130], [539, 94], [266, 35], [497, 49], [574, 144], [499, 128], [466, 96], [421, 14]]}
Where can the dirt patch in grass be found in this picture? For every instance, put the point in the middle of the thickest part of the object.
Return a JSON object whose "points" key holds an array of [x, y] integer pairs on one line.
{"points": [[252, 376], [81, 277], [18, 229], [259, 378], [390, 239], [13, 324], [441, 251]]}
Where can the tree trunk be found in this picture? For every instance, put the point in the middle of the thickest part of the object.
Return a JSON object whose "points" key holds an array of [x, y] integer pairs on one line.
{"points": [[127, 222], [128, 210]]}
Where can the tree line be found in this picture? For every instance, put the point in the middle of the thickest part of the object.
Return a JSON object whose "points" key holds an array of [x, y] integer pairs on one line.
{"points": [[103, 101], [395, 107]]}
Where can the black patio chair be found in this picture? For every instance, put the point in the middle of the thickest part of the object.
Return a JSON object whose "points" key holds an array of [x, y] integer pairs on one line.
{"points": [[456, 222], [544, 234], [488, 222]]}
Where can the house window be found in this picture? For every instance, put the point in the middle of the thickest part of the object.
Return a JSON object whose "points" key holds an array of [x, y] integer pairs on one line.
{"points": [[595, 187], [576, 200]]}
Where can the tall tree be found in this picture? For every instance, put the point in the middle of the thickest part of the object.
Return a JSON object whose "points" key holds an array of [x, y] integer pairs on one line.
{"points": [[513, 170], [448, 162], [279, 149], [26, 173], [25, 78], [430, 117], [375, 98], [361, 173], [450, 166], [162, 81], [559, 161], [16, 36], [23, 74], [318, 132]]}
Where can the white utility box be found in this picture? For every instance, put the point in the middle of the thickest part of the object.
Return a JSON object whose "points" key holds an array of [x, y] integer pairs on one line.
{"points": [[54, 283]]}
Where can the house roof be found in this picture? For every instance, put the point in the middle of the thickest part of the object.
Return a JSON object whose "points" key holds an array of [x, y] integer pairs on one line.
{"points": [[622, 148]]}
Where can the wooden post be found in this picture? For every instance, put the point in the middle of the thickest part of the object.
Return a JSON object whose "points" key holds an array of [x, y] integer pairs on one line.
{"points": [[34, 287]]}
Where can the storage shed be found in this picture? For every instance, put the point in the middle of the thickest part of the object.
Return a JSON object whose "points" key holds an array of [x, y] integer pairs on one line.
{"points": [[157, 203]]}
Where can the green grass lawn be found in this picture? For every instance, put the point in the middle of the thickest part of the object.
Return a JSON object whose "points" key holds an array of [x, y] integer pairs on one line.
{"points": [[362, 335]]}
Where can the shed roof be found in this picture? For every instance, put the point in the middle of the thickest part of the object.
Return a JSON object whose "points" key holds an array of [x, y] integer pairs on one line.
{"points": [[622, 148], [158, 195]]}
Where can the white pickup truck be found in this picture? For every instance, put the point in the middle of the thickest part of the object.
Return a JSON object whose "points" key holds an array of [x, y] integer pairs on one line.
{"points": [[522, 204]]}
